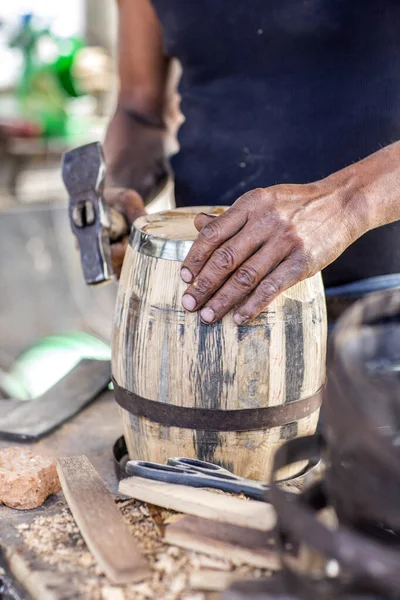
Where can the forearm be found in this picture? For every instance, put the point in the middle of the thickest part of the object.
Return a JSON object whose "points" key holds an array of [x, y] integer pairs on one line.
{"points": [[134, 151], [272, 238], [371, 189]]}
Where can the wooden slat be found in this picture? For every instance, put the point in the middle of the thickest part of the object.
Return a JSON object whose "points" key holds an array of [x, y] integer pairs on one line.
{"points": [[210, 580], [100, 521], [242, 545], [201, 503]]}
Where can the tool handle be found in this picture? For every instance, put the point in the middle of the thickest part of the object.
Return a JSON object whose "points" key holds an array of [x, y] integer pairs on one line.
{"points": [[179, 475], [119, 227]]}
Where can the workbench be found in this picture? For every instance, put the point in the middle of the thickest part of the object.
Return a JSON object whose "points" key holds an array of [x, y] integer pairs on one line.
{"points": [[43, 555]]}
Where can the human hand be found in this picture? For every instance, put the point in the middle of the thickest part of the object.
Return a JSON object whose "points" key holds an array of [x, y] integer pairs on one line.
{"points": [[268, 241], [130, 205]]}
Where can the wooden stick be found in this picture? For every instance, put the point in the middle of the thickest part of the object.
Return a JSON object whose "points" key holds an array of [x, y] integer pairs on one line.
{"points": [[210, 580], [242, 545], [100, 522], [201, 503]]}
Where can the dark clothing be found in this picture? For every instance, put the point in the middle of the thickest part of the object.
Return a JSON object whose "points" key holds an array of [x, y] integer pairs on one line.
{"points": [[285, 91]]}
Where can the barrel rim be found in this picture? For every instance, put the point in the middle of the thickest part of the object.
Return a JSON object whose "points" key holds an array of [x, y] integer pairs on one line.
{"points": [[161, 247]]}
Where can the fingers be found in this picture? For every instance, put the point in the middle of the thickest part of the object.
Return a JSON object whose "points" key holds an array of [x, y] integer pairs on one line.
{"points": [[287, 273], [225, 260], [125, 201], [200, 221], [128, 203], [203, 219], [243, 281], [214, 234], [117, 255]]}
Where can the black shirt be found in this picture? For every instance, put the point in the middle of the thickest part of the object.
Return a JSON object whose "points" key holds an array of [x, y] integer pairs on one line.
{"points": [[285, 91]]}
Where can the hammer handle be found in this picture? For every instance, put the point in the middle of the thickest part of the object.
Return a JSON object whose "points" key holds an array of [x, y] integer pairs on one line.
{"points": [[119, 227]]}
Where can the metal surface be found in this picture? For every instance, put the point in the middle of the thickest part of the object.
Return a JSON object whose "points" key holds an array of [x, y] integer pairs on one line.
{"points": [[28, 421], [158, 247], [202, 474], [83, 171], [366, 559], [361, 485], [216, 420], [167, 248], [208, 475], [362, 413]]}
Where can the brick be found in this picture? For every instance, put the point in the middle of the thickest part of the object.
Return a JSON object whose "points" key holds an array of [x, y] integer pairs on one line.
{"points": [[26, 479]]}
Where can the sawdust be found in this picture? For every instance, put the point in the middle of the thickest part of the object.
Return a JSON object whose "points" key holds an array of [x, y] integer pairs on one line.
{"points": [[55, 541]]}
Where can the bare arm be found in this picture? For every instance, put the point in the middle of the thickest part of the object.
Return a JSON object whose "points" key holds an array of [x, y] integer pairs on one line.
{"points": [[135, 142], [272, 238]]}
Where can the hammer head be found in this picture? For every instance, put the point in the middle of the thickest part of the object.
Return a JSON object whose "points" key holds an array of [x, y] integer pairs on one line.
{"points": [[83, 171]]}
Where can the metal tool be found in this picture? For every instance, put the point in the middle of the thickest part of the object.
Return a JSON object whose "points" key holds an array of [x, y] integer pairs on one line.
{"points": [[202, 474], [93, 222]]}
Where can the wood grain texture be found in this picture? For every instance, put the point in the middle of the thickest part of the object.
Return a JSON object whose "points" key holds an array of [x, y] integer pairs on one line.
{"points": [[201, 503], [161, 352], [242, 545], [210, 580], [100, 521]]}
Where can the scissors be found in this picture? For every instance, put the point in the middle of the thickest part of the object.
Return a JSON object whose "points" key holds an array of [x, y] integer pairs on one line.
{"points": [[202, 474]]}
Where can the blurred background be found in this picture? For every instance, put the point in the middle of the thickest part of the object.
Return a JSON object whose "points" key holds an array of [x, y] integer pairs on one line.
{"points": [[57, 90]]}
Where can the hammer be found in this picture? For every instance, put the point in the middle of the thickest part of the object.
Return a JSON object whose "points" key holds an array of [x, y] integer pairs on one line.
{"points": [[95, 224]]}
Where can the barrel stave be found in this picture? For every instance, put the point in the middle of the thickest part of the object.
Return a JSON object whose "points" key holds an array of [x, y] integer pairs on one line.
{"points": [[162, 352]]}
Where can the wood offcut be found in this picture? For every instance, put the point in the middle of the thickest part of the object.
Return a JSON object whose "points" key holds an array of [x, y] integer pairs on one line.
{"points": [[100, 521], [243, 545], [201, 503]]}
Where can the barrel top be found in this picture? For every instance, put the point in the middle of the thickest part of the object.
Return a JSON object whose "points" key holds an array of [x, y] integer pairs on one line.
{"points": [[168, 234], [172, 225]]}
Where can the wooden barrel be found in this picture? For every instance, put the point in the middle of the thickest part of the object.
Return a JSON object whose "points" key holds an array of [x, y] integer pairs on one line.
{"points": [[222, 393]]}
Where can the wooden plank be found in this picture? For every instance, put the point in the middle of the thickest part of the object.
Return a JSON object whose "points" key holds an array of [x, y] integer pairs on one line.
{"points": [[210, 580], [201, 503], [30, 421], [100, 521], [242, 545]]}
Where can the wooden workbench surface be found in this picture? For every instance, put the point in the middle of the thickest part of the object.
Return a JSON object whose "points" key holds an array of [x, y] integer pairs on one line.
{"points": [[43, 550]]}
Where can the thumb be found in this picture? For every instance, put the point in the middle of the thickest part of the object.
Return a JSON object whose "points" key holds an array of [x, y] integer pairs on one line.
{"points": [[203, 219]]}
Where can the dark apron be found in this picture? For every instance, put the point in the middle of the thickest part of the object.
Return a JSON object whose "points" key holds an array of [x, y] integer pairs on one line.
{"points": [[285, 91]]}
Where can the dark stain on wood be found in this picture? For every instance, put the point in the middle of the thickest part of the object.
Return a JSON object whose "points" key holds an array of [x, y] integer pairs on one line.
{"points": [[289, 431], [242, 332], [206, 443], [294, 349], [210, 366], [131, 325]]}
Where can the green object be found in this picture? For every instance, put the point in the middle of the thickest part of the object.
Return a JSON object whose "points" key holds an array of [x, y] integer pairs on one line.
{"points": [[46, 84], [47, 361]]}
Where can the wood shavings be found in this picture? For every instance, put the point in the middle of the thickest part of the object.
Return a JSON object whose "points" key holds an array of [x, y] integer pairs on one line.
{"points": [[56, 543]]}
